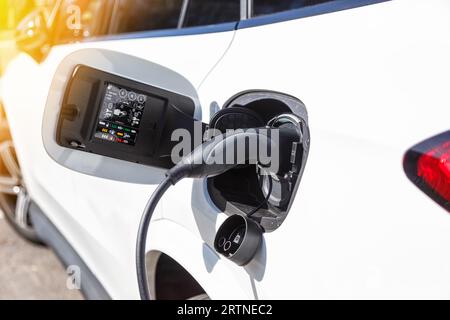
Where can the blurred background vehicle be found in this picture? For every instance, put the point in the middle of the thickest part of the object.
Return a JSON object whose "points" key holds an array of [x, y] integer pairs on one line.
{"points": [[14, 200], [28, 270], [29, 26]]}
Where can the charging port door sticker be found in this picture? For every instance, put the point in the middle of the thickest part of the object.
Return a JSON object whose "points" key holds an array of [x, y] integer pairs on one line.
{"points": [[120, 115]]}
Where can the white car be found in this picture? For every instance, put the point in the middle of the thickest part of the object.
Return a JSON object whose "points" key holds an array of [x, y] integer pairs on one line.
{"points": [[366, 214]]}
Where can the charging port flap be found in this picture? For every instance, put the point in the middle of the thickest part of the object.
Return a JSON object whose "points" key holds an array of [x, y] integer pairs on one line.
{"points": [[106, 107]]}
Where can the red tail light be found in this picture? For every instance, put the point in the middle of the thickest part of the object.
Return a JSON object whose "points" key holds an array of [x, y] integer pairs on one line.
{"points": [[427, 165]]}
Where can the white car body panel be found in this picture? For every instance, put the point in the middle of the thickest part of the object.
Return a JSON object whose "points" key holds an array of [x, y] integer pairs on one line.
{"points": [[374, 82]]}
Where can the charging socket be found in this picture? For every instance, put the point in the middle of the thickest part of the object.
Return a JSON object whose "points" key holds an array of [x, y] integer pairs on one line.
{"points": [[238, 239]]}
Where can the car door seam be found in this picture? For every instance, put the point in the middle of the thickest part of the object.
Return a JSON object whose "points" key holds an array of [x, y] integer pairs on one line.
{"points": [[218, 61]]}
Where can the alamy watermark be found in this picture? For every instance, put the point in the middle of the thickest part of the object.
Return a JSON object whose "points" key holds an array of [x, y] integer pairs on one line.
{"points": [[73, 21], [235, 147], [73, 281]]}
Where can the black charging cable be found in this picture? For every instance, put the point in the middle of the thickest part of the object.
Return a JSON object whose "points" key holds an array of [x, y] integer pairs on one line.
{"points": [[142, 237]]}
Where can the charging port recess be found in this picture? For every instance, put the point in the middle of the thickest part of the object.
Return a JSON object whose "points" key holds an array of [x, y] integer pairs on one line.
{"points": [[265, 199]]}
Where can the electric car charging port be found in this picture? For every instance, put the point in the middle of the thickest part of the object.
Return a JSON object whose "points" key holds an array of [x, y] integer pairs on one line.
{"points": [[238, 239], [247, 190]]}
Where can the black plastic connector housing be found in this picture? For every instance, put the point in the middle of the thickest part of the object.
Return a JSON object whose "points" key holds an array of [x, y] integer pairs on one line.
{"points": [[238, 239]]}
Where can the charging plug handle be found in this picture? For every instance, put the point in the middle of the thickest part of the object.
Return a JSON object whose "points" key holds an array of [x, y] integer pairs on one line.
{"points": [[203, 161]]}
